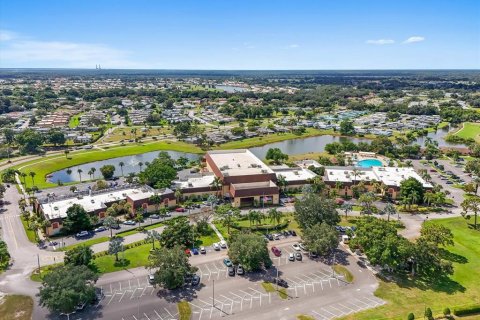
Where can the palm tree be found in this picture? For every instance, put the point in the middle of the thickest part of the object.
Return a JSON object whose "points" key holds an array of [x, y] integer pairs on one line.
{"points": [[156, 200], [24, 177], [428, 198], [251, 216], [152, 236], [90, 173], [413, 197], [440, 198], [109, 222], [408, 163], [140, 164], [275, 215], [66, 153], [69, 171], [32, 175], [178, 195], [93, 172], [80, 174], [121, 164], [282, 182], [217, 184], [356, 173], [347, 207], [471, 204], [389, 210]]}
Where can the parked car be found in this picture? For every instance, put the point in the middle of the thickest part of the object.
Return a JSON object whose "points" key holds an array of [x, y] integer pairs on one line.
{"points": [[100, 229], [277, 252], [187, 252], [227, 262], [223, 244], [151, 279], [240, 270], [293, 233], [276, 236], [195, 280], [216, 246], [298, 256], [280, 282], [296, 247], [115, 226], [180, 209], [302, 246], [202, 250], [285, 233], [82, 234], [129, 223], [231, 271], [291, 257], [195, 251], [154, 216], [269, 237]]}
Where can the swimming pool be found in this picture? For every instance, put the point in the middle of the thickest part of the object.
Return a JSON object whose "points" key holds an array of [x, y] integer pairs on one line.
{"points": [[367, 163]]}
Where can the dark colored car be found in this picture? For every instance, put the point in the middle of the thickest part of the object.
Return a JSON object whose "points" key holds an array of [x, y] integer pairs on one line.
{"points": [[269, 237], [231, 271], [195, 251], [298, 256], [280, 282], [195, 280], [293, 233]]}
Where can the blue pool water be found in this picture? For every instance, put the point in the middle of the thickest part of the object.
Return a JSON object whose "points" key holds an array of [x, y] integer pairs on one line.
{"points": [[368, 163]]}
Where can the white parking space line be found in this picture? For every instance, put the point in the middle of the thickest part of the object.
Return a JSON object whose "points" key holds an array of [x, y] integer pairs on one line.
{"points": [[345, 307], [341, 312], [333, 314], [319, 315], [158, 315]]}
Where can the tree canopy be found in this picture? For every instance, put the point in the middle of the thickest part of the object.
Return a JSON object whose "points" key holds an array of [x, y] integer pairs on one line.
{"points": [[160, 172], [320, 238], [276, 155], [250, 250], [77, 219], [79, 256], [107, 171], [178, 232], [312, 209]]}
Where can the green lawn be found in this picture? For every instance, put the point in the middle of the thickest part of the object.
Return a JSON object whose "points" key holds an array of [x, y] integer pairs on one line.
{"points": [[43, 167], [74, 121], [270, 287], [184, 310], [16, 307], [30, 233], [470, 130], [131, 258], [462, 288], [339, 269], [89, 242]]}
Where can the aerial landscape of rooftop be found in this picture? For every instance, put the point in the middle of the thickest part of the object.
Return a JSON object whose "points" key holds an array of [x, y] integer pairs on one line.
{"points": [[273, 159]]}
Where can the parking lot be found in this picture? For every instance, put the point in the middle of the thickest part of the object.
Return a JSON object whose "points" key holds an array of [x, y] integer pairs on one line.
{"points": [[346, 307]]}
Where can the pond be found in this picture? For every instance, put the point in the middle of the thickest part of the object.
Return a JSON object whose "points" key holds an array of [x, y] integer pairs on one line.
{"points": [[290, 147], [231, 89], [130, 165]]}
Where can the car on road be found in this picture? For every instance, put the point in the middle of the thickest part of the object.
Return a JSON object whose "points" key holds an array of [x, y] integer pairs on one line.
{"points": [[151, 279], [291, 257], [82, 234], [100, 229], [277, 252], [298, 256], [231, 271], [154, 216], [129, 223], [202, 250], [227, 262], [296, 247], [195, 251], [216, 246], [280, 282], [240, 270]]}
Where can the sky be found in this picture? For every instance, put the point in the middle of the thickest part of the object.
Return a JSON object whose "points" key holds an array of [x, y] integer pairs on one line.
{"points": [[239, 35]]}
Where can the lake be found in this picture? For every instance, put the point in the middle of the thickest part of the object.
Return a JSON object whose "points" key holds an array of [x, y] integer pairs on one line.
{"points": [[231, 89], [290, 147]]}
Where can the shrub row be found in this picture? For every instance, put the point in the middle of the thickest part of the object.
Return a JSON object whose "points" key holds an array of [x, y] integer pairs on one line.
{"points": [[467, 310], [261, 228]]}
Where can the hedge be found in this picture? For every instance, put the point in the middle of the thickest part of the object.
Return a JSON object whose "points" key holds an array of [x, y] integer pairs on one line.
{"points": [[262, 228], [468, 310]]}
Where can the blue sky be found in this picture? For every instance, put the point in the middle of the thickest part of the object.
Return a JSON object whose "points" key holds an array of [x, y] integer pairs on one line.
{"points": [[276, 34]]}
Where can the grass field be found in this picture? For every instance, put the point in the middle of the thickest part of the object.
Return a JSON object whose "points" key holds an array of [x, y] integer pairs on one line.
{"points": [[16, 307], [469, 130], [89, 242], [270, 287], [184, 310], [339, 269], [119, 134], [47, 165], [74, 121], [462, 288]]}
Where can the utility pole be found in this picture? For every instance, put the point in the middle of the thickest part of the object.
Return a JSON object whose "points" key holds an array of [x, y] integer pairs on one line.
{"points": [[213, 295], [38, 261]]}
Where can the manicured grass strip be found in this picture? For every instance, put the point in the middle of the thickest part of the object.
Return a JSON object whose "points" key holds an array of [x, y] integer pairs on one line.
{"points": [[16, 307], [30, 233], [339, 269], [43, 167], [460, 289], [270, 287], [134, 231], [130, 258], [35, 276], [305, 317], [184, 310], [89, 242]]}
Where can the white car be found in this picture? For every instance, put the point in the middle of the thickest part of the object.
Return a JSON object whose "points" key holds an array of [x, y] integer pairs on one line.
{"points": [[129, 223], [296, 247], [302, 247], [216, 246], [202, 250], [223, 244], [291, 257]]}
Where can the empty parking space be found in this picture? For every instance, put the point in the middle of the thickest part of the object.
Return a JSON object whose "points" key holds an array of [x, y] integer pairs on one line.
{"points": [[346, 307], [212, 271]]}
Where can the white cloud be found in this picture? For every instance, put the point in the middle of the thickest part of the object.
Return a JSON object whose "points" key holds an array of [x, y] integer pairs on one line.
{"points": [[6, 35], [414, 39], [380, 41], [294, 45], [17, 51]]}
